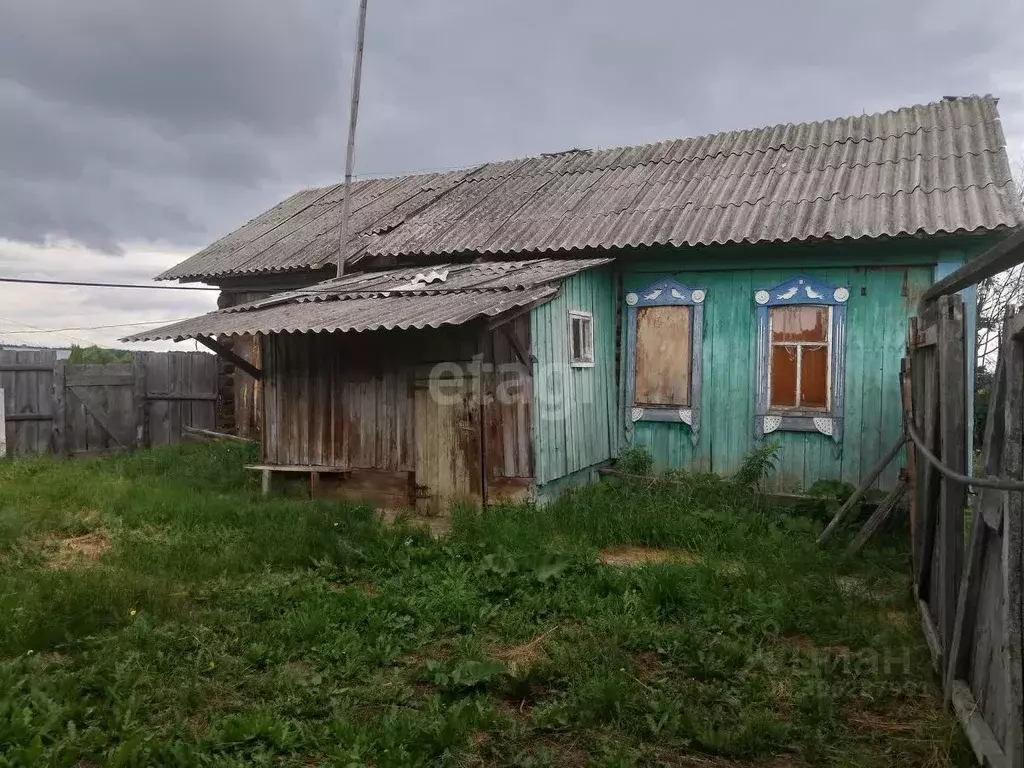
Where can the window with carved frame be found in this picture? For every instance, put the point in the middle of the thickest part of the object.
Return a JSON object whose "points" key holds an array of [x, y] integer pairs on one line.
{"points": [[801, 339], [664, 342]]}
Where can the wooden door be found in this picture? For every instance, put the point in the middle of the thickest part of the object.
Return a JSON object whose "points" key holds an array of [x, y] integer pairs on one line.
{"points": [[98, 408], [448, 444]]}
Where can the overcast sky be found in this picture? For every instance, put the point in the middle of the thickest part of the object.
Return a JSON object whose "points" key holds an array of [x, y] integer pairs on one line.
{"points": [[135, 132]]}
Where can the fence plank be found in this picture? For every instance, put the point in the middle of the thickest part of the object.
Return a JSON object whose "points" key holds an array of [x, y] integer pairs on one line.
{"points": [[139, 402], [60, 414], [929, 482], [189, 396], [100, 378], [24, 367], [1013, 548], [3, 426], [953, 495], [979, 734]]}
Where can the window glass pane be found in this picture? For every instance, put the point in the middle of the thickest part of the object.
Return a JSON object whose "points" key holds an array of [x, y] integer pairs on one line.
{"points": [[662, 356], [799, 323], [783, 372], [577, 339], [814, 377]]}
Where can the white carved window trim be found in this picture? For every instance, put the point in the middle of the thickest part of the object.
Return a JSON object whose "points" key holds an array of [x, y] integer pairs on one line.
{"points": [[801, 290]]}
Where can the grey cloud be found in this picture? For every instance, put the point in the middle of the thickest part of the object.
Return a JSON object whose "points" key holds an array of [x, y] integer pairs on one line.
{"points": [[178, 121], [190, 63]]}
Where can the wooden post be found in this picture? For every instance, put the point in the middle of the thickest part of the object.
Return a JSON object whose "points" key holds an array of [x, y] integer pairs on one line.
{"points": [[862, 489], [265, 485], [953, 495], [928, 483], [1012, 465], [60, 413], [3, 426], [140, 403], [878, 519], [906, 388]]}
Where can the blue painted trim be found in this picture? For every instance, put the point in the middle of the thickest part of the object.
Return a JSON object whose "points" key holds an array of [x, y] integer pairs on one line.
{"points": [[660, 294], [801, 290]]}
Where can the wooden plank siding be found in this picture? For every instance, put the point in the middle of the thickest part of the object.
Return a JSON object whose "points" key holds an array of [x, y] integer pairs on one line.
{"points": [[881, 301], [26, 379], [574, 409], [355, 403], [328, 402]]}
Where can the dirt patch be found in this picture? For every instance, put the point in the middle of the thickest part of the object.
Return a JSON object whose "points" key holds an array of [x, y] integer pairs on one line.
{"points": [[851, 586], [632, 557], [297, 670], [899, 620], [797, 643], [711, 761], [438, 527], [367, 590], [441, 651], [522, 657], [64, 554]]}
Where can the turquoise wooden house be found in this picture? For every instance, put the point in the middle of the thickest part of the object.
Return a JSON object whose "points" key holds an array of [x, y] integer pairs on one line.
{"points": [[694, 296]]}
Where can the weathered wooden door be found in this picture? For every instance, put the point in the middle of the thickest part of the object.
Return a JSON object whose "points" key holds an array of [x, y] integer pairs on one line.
{"points": [[448, 443], [98, 408]]}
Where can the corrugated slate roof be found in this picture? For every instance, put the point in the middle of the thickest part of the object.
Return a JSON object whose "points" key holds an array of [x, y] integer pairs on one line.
{"points": [[934, 168], [448, 294]]}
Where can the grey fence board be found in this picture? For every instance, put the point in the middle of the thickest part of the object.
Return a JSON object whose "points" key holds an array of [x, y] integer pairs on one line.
{"points": [[26, 379], [78, 410], [971, 601]]}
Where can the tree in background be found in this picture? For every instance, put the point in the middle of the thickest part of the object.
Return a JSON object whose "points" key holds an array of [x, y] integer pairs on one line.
{"points": [[98, 355], [995, 295]]}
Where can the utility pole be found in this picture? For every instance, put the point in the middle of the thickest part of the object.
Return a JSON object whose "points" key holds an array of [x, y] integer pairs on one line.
{"points": [[350, 151]]}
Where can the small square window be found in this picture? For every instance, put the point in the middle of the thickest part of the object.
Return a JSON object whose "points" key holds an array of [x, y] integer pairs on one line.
{"points": [[581, 339]]}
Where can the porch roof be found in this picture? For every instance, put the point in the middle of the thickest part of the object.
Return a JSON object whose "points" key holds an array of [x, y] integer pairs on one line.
{"points": [[448, 294]]}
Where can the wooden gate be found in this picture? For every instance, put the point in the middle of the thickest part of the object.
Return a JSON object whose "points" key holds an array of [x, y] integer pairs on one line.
{"points": [[98, 408], [52, 406], [970, 601], [448, 442]]}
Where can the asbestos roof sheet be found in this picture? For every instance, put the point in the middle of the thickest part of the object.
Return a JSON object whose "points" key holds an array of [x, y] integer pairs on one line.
{"points": [[447, 294], [928, 169]]}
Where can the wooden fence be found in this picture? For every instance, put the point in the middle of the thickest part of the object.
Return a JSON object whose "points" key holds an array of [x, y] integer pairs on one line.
{"points": [[970, 596], [51, 406]]}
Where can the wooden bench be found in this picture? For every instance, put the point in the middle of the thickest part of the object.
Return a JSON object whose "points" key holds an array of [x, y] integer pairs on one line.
{"points": [[314, 471]]}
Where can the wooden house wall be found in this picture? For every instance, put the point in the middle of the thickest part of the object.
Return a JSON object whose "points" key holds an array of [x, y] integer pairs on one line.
{"points": [[345, 400], [239, 408], [508, 447], [882, 298], [574, 409], [349, 401]]}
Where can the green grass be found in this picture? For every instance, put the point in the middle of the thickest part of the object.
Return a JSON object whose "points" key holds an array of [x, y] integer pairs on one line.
{"points": [[223, 629]]}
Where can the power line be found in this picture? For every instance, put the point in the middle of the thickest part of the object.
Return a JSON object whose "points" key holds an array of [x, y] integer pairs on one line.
{"points": [[83, 284], [90, 327], [36, 329]]}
